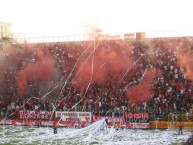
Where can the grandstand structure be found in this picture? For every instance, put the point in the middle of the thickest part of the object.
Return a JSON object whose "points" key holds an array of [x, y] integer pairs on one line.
{"points": [[5, 33], [26, 59], [5, 30]]}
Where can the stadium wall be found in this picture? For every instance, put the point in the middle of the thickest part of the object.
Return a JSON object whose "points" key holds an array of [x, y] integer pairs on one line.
{"points": [[125, 120]]}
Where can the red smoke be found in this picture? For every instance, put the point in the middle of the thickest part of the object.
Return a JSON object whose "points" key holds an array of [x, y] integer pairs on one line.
{"points": [[2, 71], [186, 60], [38, 72], [139, 93], [39, 54], [104, 64]]}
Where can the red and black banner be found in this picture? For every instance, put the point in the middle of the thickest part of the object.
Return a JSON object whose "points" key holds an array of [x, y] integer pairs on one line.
{"points": [[137, 117]]}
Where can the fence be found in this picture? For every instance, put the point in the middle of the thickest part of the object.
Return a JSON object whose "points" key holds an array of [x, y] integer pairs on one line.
{"points": [[68, 38], [21, 38]]}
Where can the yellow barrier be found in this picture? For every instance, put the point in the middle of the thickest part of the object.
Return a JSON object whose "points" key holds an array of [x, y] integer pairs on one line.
{"points": [[172, 125]]}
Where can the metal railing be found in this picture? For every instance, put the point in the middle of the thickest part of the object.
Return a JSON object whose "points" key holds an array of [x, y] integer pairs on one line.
{"points": [[169, 33], [21, 38]]}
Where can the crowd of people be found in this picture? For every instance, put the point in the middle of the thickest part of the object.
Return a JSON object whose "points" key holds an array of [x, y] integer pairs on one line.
{"points": [[171, 88]]}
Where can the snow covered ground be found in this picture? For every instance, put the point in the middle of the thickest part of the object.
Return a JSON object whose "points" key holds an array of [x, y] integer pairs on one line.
{"points": [[96, 133]]}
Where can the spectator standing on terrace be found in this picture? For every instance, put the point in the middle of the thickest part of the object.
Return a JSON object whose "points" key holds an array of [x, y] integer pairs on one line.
{"points": [[180, 126], [106, 120], [116, 126], [54, 126]]}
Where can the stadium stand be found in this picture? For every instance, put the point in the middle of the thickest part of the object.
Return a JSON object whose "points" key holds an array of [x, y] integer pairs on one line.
{"points": [[170, 90]]}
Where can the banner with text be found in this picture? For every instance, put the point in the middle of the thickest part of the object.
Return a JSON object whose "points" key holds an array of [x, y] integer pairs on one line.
{"points": [[74, 116], [137, 117], [111, 119], [26, 114]]}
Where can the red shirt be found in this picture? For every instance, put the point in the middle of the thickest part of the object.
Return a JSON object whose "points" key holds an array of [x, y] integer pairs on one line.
{"points": [[180, 126], [54, 125]]}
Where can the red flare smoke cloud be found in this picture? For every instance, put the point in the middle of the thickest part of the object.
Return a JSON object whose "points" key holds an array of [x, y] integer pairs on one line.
{"points": [[2, 72], [103, 65], [37, 72], [186, 60], [139, 93]]}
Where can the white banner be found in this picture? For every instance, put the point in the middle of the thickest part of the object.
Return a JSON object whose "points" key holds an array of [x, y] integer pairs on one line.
{"points": [[130, 36], [74, 116]]}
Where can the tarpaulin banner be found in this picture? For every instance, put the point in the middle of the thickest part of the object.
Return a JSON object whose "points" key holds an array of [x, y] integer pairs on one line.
{"points": [[111, 119], [67, 123], [138, 125], [26, 114], [74, 116], [137, 117]]}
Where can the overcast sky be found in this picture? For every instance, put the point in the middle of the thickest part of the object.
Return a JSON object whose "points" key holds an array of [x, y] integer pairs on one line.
{"points": [[63, 17]]}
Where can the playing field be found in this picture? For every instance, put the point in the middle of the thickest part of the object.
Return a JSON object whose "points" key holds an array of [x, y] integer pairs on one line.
{"points": [[88, 136]]}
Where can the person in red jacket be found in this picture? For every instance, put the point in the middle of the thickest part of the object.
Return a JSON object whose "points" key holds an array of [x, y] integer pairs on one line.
{"points": [[180, 126], [54, 126]]}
